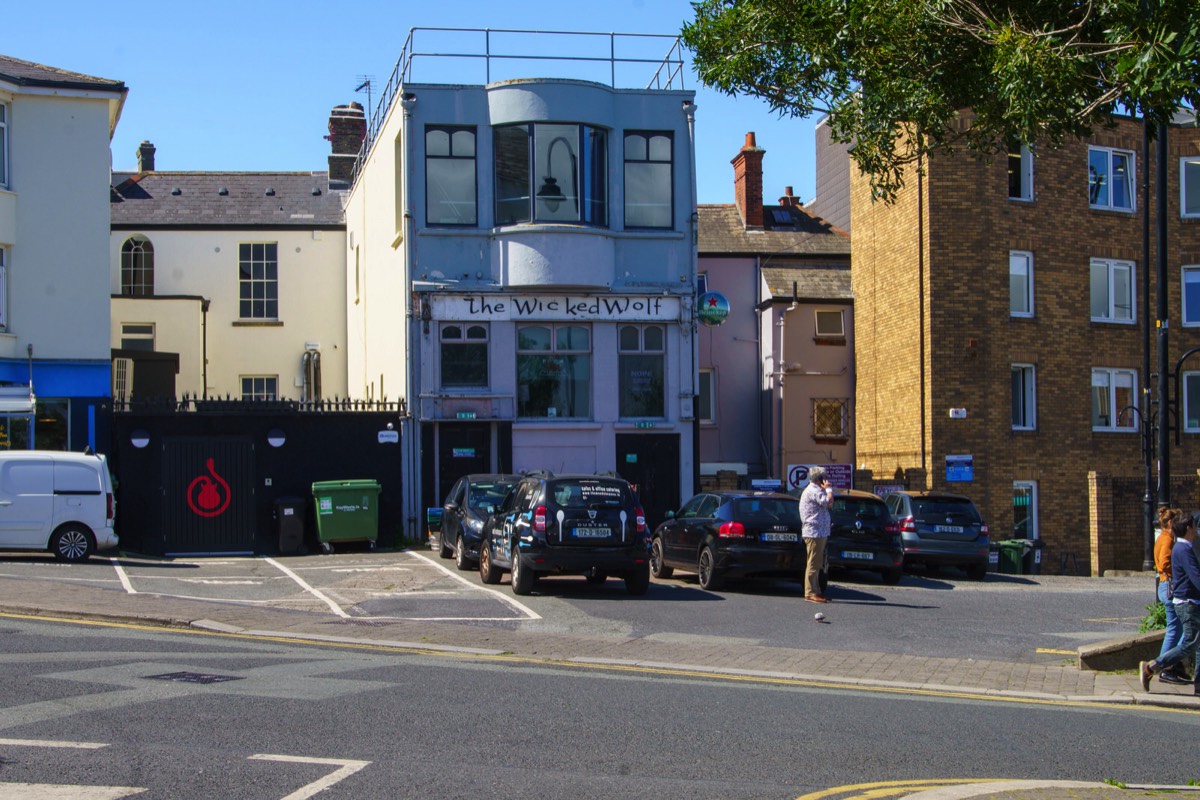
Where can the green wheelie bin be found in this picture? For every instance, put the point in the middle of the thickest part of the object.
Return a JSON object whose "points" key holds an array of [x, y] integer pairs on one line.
{"points": [[346, 511]]}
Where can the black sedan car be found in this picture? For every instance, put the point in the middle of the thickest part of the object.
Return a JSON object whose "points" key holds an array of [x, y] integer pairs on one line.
{"points": [[864, 536], [470, 501], [726, 534]]}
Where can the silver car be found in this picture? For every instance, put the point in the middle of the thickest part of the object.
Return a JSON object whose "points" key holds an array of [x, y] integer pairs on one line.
{"points": [[941, 528]]}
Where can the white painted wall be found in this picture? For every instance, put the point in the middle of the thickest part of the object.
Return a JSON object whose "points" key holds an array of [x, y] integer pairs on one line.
{"points": [[312, 307]]}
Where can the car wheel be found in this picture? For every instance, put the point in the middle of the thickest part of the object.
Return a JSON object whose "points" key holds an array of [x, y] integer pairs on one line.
{"points": [[891, 576], [637, 581], [657, 565], [461, 559], [596, 577], [72, 543], [522, 578], [976, 572], [443, 550], [706, 568], [487, 572]]}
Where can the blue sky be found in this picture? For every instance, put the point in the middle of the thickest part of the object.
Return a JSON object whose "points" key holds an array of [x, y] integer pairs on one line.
{"points": [[248, 85]]}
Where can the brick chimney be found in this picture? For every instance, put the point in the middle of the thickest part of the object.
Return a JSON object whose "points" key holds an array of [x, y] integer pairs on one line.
{"points": [[347, 129], [145, 156], [789, 199], [747, 182]]}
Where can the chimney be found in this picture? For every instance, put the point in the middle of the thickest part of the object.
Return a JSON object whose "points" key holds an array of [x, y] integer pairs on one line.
{"points": [[145, 156], [789, 199], [347, 130], [747, 182]]}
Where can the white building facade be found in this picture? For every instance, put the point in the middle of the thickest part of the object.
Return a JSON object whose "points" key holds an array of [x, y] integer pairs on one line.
{"points": [[522, 264], [55, 130]]}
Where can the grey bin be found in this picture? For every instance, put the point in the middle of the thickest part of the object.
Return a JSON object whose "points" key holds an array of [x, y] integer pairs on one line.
{"points": [[289, 523], [1031, 562]]}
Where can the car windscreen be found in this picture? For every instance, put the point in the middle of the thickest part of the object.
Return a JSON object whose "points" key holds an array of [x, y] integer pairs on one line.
{"points": [[766, 511], [859, 509], [927, 507], [572, 493], [488, 494]]}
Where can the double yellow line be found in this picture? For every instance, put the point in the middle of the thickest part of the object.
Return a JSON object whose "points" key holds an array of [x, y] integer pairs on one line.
{"points": [[871, 791]]}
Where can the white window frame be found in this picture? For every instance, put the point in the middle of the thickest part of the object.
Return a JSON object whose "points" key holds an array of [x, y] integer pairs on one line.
{"points": [[712, 396], [1105, 202], [1026, 258], [1034, 531], [260, 391], [136, 330], [1185, 390], [643, 349], [468, 336], [1111, 267], [1184, 163], [268, 280], [1110, 375], [5, 113], [1189, 315], [841, 317], [1025, 169], [1028, 397]]}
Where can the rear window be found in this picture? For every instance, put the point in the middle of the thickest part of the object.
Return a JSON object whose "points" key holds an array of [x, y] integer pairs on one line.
{"points": [[925, 507], [589, 494], [766, 511], [859, 509]]}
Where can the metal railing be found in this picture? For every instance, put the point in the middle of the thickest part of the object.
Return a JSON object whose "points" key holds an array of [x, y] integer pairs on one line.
{"points": [[667, 74]]}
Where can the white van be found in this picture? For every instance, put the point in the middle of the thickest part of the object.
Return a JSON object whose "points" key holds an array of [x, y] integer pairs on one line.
{"points": [[61, 502]]}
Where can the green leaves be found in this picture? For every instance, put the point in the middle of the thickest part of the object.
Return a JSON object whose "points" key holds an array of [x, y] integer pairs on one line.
{"points": [[895, 75]]}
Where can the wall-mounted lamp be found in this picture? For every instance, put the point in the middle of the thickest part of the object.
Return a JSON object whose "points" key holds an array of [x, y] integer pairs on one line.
{"points": [[550, 192]]}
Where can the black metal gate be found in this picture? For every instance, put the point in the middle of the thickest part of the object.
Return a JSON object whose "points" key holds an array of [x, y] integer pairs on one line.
{"points": [[209, 492], [650, 461]]}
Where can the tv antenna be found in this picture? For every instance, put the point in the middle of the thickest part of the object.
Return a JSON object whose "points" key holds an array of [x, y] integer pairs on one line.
{"points": [[365, 83]]}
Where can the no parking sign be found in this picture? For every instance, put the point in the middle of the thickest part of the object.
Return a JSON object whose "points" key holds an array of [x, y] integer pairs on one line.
{"points": [[840, 475]]}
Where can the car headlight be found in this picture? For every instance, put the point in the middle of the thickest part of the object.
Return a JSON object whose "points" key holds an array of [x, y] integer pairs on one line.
{"points": [[475, 525]]}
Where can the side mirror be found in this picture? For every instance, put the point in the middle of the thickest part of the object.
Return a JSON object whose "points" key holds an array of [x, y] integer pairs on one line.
{"points": [[669, 515], [489, 509]]}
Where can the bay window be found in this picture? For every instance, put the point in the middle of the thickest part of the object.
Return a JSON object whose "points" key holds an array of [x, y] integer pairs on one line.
{"points": [[551, 172]]}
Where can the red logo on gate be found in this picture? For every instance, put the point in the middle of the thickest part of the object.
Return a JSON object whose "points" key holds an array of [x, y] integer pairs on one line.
{"points": [[208, 496]]}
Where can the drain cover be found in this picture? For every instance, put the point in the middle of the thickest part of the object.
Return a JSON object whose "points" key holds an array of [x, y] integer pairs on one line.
{"points": [[193, 677]]}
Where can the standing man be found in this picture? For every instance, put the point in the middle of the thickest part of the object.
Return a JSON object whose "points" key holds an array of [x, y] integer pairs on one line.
{"points": [[815, 501], [1185, 594]]}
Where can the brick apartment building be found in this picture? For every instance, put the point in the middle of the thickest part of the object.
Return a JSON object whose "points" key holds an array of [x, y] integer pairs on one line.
{"points": [[999, 330]]}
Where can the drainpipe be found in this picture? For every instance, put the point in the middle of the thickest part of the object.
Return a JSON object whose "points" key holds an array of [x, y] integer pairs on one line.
{"points": [[689, 322], [782, 370], [412, 445], [204, 304]]}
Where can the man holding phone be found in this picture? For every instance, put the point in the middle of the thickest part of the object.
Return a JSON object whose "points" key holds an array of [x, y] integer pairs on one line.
{"points": [[815, 502]]}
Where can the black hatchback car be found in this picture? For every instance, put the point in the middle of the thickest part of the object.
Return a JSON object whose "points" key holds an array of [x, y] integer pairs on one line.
{"points": [[726, 534], [864, 536], [468, 504], [591, 525], [941, 528]]}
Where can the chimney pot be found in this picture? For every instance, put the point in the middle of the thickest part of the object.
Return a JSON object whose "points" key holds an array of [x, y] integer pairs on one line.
{"points": [[145, 156]]}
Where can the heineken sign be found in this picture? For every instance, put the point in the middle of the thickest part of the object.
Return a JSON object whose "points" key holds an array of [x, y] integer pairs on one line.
{"points": [[712, 309]]}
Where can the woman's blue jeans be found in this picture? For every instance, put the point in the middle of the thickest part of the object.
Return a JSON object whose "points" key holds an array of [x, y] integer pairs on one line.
{"points": [[1186, 649], [1174, 627]]}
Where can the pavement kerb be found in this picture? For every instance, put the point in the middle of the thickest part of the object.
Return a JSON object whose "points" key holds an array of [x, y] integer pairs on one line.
{"points": [[963, 791]]}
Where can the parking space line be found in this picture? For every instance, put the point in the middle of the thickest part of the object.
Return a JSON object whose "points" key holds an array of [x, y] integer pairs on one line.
{"points": [[116, 562], [524, 609], [332, 605], [347, 768], [51, 743]]}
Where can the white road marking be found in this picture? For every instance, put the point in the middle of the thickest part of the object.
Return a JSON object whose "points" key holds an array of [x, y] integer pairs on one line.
{"points": [[116, 562], [51, 743], [524, 609], [54, 791], [348, 768], [370, 569], [219, 582], [332, 605]]}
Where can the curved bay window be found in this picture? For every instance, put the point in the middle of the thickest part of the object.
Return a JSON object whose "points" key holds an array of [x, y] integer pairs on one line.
{"points": [[464, 355], [641, 366], [137, 267], [550, 172], [554, 371]]}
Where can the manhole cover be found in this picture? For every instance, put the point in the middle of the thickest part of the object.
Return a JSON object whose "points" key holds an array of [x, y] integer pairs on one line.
{"points": [[193, 677]]}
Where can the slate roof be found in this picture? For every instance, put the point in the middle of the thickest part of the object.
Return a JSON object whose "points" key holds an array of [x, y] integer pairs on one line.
{"points": [[224, 200], [27, 73], [799, 233], [813, 282]]}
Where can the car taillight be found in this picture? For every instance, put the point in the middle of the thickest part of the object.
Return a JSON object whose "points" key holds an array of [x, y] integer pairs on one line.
{"points": [[640, 516], [891, 527], [731, 530], [109, 503], [539, 519], [983, 529], [907, 525]]}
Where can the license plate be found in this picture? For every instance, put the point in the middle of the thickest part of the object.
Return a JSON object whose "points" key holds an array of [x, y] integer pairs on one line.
{"points": [[779, 537], [855, 554], [592, 533], [948, 528]]}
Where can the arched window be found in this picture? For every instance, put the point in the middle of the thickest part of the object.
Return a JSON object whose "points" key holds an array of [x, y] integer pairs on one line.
{"points": [[137, 268]]}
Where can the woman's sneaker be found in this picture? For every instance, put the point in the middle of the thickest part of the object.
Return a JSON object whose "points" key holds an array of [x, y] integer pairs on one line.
{"points": [[1171, 676]]}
